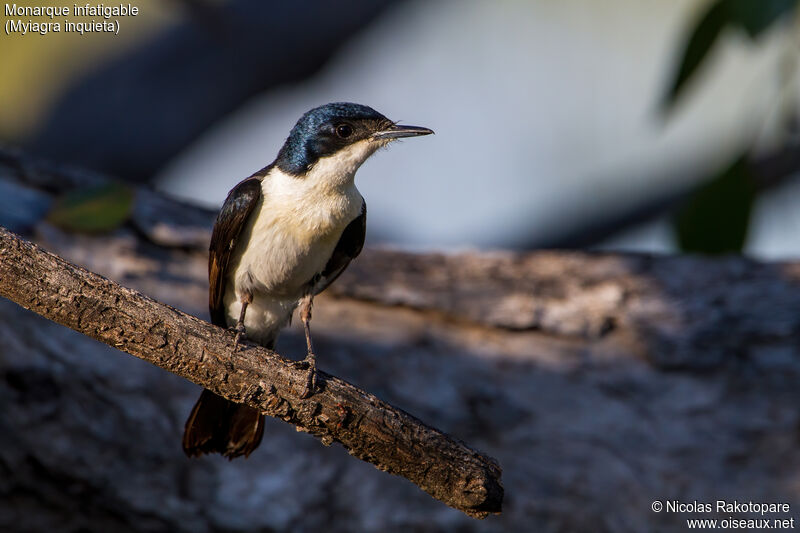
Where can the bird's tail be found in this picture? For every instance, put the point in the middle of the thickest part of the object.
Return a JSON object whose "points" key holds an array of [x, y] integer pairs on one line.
{"points": [[217, 425]]}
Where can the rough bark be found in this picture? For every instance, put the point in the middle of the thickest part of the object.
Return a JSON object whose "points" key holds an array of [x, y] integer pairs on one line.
{"points": [[368, 428], [601, 382]]}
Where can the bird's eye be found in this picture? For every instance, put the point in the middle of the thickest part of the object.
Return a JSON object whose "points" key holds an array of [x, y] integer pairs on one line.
{"points": [[344, 130]]}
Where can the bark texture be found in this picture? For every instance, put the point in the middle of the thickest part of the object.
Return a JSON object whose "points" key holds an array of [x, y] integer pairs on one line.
{"points": [[368, 428], [601, 382]]}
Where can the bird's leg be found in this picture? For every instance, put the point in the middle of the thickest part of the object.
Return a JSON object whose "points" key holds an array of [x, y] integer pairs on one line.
{"points": [[311, 359], [246, 299]]}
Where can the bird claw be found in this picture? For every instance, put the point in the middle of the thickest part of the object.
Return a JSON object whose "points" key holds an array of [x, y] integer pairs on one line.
{"points": [[310, 362], [240, 335]]}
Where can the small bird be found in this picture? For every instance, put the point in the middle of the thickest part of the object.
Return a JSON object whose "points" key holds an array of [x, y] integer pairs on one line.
{"points": [[282, 236]]}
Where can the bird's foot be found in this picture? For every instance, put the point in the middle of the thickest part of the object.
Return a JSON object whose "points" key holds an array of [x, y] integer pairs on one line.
{"points": [[311, 375], [240, 336]]}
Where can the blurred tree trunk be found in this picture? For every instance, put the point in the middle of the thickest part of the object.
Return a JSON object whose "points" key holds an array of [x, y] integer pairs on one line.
{"points": [[601, 382], [128, 117]]}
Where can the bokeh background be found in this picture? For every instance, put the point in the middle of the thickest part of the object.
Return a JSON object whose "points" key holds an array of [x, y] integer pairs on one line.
{"points": [[558, 123], [600, 382]]}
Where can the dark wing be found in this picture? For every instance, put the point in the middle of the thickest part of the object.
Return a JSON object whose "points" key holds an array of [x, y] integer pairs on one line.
{"points": [[231, 219], [349, 246]]}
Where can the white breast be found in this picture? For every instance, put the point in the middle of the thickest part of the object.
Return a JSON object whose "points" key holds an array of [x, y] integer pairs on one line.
{"points": [[290, 237]]}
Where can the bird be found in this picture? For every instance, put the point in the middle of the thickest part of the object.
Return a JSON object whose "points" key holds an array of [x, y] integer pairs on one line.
{"points": [[282, 236]]}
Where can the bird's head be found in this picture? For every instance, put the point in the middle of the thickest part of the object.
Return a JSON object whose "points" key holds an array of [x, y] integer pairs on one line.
{"points": [[339, 137]]}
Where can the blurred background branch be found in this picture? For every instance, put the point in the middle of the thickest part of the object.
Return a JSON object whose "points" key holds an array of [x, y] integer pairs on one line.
{"points": [[608, 379], [196, 95], [129, 116], [600, 375]]}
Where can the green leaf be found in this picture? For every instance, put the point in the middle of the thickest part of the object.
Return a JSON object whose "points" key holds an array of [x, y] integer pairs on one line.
{"points": [[94, 209], [752, 16], [715, 218], [755, 16], [697, 47]]}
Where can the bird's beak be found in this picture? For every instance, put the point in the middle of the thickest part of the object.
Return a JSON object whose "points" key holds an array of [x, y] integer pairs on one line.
{"points": [[398, 131]]}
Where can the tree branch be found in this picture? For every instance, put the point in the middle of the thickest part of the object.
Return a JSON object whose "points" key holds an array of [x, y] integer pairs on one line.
{"points": [[368, 428], [770, 171]]}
